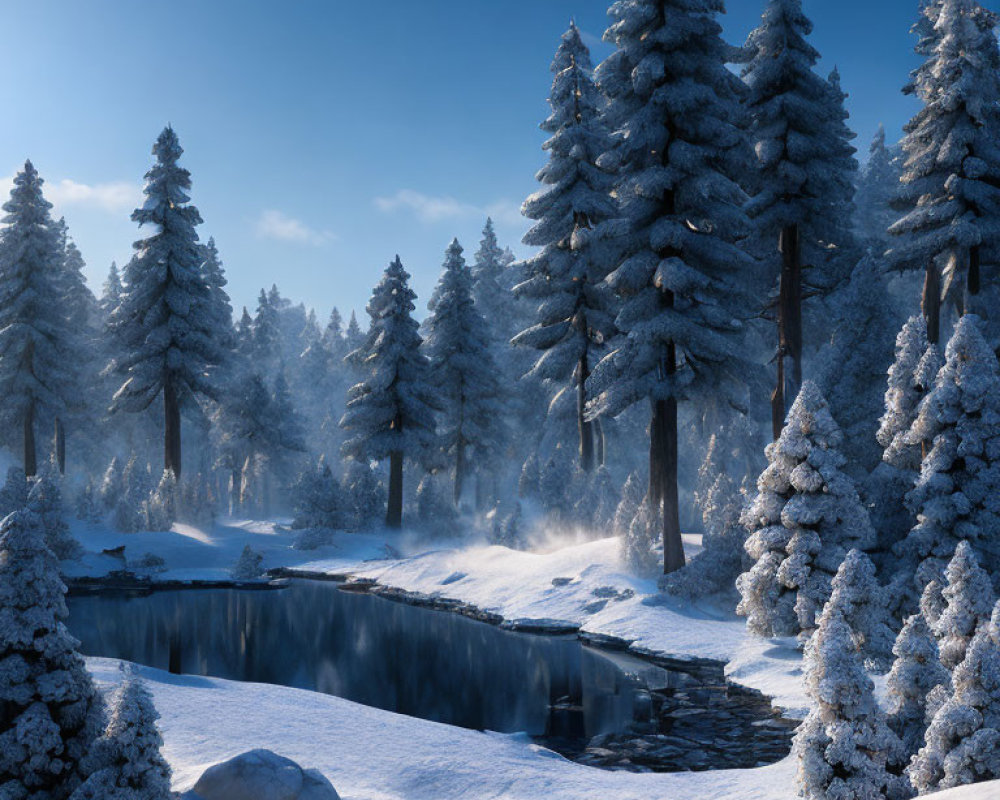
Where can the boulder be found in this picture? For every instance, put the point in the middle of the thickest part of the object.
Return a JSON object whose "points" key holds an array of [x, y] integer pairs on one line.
{"points": [[261, 775]]}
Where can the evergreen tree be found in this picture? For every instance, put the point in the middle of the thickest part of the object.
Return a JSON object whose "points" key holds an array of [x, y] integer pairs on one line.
{"points": [[266, 334], [165, 326], [962, 743], [916, 672], [14, 494], [249, 566], [45, 500], [878, 184], [950, 196], [968, 597], [461, 365], [354, 338], [490, 290], [111, 294], [215, 279], [805, 179], [844, 745], [857, 596], [805, 518], [39, 351], [49, 711], [854, 365], [127, 764], [572, 318], [320, 501], [954, 497], [390, 414], [683, 279]]}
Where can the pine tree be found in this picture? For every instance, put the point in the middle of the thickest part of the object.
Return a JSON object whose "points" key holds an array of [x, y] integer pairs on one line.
{"points": [[46, 502], [492, 294], [366, 492], [38, 348], [390, 414], [249, 566], [968, 597], [844, 745], [682, 276], [878, 184], [14, 494], [805, 179], [854, 365], [111, 293], [962, 743], [960, 477], [165, 323], [461, 364], [916, 672], [573, 317], [266, 335], [49, 710], [949, 195], [805, 518], [215, 278], [320, 501], [127, 764], [354, 338], [857, 596]]}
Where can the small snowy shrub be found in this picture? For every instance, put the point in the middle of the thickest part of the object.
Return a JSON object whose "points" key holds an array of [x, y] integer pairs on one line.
{"points": [[633, 496], [149, 562], [161, 508], [320, 501], [249, 566], [126, 763], [639, 550]]}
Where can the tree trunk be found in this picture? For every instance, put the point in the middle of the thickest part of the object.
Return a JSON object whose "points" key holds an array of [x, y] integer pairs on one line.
{"points": [[234, 490], [666, 411], [30, 460], [656, 449], [974, 280], [60, 446], [789, 327], [394, 513], [459, 469], [585, 428], [599, 442], [171, 429], [931, 302]]}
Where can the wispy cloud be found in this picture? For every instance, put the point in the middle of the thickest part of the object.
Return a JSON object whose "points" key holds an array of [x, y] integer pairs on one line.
{"points": [[274, 224], [117, 197], [433, 209]]}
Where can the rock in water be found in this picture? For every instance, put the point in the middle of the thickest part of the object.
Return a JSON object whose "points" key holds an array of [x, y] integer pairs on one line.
{"points": [[261, 775]]}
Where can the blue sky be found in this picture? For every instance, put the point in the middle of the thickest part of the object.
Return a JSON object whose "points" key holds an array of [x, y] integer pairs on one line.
{"points": [[323, 137]]}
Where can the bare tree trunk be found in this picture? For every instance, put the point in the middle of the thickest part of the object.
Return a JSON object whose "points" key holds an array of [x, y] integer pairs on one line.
{"points": [[778, 398], [59, 445], [655, 493], [931, 302], [789, 327], [599, 441], [973, 280], [171, 429], [666, 410], [585, 428], [30, 459], [234, 490]]}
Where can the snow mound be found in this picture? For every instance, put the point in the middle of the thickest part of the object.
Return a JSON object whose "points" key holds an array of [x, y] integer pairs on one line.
{"points": [[261, 775]]}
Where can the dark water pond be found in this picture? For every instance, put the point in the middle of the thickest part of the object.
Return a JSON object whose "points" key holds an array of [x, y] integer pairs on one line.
{"points": [[431, 664]]}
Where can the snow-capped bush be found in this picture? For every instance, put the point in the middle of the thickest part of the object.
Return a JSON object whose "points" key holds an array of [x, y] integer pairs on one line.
{"points": [[320, 501], [50, 713], [638, 547], [915, 673], [633, 495], [249, 566], [844, 745], [45, 500], [962, 743], [14, 494], [805, 518], [968, 597], [126, 763]]}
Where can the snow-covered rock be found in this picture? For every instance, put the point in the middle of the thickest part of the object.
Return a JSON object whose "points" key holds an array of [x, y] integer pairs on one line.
{"points": [[261, 775]]}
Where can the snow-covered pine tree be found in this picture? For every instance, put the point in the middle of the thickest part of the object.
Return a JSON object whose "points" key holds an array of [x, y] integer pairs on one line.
{"points": [[130, 508], [968, 597], [161, 507], [215, 279], [165, 326], [844, 745], [459, 349], [962, 742], [320, 501], [435, 506], [573, 316], [949, 194], [605, 496], [249, 566], [852, 368], [932, 602], [915, 673], [111, 292], [954, 497], [805, 179], [391, 413], [684, 279], [492, 294], [50, 713], [366, 492], [861, 601], [354, 337], [14, 494], [39, 350], [266, 335], [112, 485], [878, 184], [46, 502], [802, 523], [126, 760], [632, 497]]}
